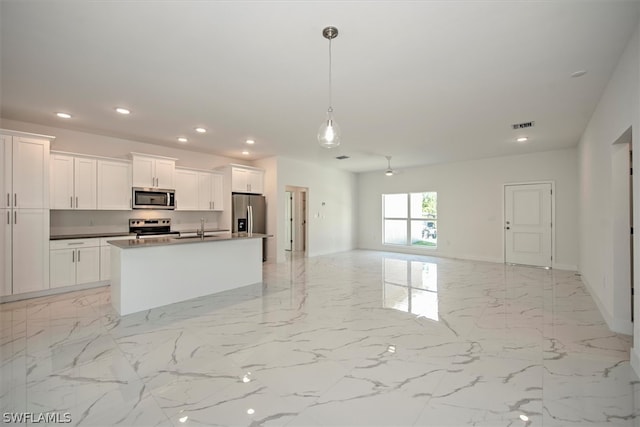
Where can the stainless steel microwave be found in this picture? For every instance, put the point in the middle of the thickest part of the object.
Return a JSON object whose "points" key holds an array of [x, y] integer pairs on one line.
{"points": [[153, 198]]}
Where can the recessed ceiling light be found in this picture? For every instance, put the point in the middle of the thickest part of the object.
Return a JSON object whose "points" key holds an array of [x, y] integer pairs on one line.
{"points": [[121, 110], [522, 139], [182, 139], [578, 73], [250, 141], [245, 152], [201, 130], [64, 115]]}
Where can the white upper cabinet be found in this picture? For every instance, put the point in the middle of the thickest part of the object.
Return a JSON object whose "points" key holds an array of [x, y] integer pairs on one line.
{"points": [[6, 147], [205, 201], [217, 193], [73, 182], [153, 171], [210, 191], [247, 180], [30, 177], [199, 190], [186, 190], [114, 185]]}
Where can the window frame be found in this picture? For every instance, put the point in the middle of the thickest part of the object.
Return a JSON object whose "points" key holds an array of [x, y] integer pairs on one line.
{"points": [[409, 220]]}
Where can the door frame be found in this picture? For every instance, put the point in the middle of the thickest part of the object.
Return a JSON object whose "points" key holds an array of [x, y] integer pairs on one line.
{"points": [[553, 217], [300, 216]]}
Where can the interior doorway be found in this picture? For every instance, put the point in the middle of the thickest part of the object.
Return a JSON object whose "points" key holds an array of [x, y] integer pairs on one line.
{"points": [[622, 233], [288, 221], [528, 215], [296, 219]]}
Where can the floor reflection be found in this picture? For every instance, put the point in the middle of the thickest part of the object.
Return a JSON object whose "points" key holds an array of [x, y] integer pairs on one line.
{"points": [[410, 286]]}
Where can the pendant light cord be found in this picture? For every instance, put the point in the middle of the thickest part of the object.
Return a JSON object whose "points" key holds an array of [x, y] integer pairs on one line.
{"points": [[330, 82]]}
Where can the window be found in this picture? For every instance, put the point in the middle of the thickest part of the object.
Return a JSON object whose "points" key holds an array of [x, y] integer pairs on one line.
{"points": [[410, 219]]}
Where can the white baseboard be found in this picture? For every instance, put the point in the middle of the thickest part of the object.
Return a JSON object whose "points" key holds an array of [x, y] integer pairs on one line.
{"points": [[53, 291], [620, 326], [634, 359], [568, 267]]}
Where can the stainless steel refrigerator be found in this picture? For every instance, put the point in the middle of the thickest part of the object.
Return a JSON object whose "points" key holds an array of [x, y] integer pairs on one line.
{"points": [[249, 215]]}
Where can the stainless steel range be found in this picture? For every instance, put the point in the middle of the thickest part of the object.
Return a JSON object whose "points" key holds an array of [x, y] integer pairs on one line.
{"points": [[156, 227]]}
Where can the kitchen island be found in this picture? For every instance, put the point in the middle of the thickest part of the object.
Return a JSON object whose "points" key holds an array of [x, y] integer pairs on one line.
{"points": [[149, 273]]}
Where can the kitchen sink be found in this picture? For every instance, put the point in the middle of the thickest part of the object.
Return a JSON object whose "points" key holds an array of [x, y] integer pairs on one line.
{"points": [[192, 237]]}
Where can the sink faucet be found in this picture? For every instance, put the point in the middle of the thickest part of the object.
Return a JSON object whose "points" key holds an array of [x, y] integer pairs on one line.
{"points": [[201, 231]]}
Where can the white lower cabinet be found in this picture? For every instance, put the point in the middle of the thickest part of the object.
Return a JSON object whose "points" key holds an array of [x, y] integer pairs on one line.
{"points": [[74, 262], [105, 256], [5, 253], [30, 250]]}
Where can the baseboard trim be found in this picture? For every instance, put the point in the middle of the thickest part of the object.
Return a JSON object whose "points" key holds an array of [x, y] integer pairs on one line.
{"points": [[53, 291], [616, 325], [634, 359]]}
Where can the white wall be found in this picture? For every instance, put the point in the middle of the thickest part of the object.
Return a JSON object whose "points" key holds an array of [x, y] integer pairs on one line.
{"points": [[470, 203], [100, 145], [332, 204], [600, 204]]}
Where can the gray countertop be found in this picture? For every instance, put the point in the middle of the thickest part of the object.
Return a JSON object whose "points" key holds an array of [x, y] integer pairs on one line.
{"points": [[167, 241], [123, 233]]}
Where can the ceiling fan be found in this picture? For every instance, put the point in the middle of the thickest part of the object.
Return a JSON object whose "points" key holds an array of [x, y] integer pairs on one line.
{"points": [[389, 171]]}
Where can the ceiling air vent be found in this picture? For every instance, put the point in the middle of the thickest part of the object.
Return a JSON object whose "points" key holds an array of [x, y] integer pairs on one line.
{"points": [[342, 157], [524, 125]]}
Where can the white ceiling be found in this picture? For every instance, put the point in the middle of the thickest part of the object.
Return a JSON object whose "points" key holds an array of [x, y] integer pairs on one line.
{"points": [[425, 82]]}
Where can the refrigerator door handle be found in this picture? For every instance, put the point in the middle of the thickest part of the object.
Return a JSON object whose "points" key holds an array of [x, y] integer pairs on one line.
{"points": [[250, 220]]}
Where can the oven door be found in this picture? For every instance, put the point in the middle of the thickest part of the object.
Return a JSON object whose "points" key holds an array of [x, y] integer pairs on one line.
{"points": [[153, 198]]}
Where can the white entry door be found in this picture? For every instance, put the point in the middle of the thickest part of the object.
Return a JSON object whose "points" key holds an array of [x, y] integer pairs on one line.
{"points": [[528, 224]]}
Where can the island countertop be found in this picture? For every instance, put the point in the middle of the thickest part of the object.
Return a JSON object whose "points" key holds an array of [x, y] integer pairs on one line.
{"points": [[167, 241], [166, 270]]}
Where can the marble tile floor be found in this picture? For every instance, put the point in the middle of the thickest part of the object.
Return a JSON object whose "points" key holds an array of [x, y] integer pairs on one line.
{"points": [[359, 338]]}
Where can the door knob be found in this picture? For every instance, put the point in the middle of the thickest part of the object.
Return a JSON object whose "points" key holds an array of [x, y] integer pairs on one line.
{"points": [[507, 228]]}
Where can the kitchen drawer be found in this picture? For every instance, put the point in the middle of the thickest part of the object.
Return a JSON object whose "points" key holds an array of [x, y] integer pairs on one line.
{"points": [[73, 243]]}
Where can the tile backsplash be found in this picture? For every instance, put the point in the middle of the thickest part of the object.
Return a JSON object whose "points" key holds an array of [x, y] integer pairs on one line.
{"points": [[63, 222]]}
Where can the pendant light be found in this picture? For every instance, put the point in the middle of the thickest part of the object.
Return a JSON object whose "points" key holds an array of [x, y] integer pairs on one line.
{"points": [[329, 132], [389, 171]]}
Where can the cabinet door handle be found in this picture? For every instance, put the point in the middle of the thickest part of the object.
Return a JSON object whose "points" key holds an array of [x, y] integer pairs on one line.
{"points": [[78, 255], [8, 218], [76, 202], [15, 217], [8, 200], [15, 200], [73, 256], [71, 201]]}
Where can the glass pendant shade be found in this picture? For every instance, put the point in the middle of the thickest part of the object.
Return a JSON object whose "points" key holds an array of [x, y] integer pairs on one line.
{"points": [[329, 132]]}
